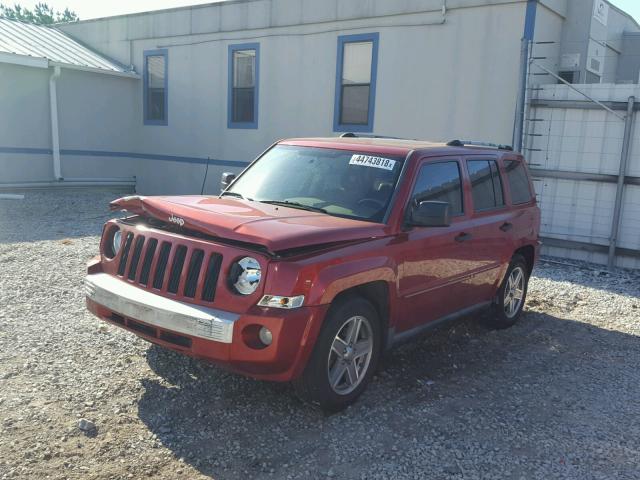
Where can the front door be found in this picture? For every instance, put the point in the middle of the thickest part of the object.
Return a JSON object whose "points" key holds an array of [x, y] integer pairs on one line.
{"points": [[436, 262]]}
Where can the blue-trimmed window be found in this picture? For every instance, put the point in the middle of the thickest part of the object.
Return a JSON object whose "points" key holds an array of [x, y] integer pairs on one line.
{"points": [[156, 91], [244, 81], [356, 71]]}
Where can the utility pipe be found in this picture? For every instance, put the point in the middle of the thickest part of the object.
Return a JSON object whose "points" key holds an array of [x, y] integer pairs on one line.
{"points": [[622, 172], [55, 136]]}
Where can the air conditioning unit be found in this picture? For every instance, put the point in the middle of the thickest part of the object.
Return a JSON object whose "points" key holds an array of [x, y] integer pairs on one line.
{"points": [[596, 58]]}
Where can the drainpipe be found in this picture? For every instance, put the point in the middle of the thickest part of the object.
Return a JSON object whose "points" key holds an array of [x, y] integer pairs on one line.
{"points": [[525, 48], [55, 136]]}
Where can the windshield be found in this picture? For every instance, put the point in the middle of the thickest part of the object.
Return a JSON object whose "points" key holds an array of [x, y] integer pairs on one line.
{"points": [[336, 182]]}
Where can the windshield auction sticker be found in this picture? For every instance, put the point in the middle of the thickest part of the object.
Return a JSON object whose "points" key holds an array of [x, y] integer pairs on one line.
{"points": [[376, 162]]}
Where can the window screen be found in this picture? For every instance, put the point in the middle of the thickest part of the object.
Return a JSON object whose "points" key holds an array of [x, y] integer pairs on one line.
{"points": [[356, 83], [156, 88], [486, 185], [518, 181], [440, 182], [244, 86]]}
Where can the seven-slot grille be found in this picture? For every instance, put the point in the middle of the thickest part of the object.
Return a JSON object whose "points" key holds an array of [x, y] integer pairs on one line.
{"points": [[169, 266]]}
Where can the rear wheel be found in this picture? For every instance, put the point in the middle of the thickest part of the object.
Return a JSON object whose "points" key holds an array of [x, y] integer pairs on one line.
{"points": [[345, 356], [511, 296]]}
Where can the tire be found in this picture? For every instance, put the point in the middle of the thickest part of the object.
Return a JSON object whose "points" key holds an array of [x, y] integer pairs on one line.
{"points": [[507, 307], [328, 377]]}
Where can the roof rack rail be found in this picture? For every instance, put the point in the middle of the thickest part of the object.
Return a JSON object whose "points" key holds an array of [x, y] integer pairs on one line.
{"points": [[360, 135], [462, 143]]}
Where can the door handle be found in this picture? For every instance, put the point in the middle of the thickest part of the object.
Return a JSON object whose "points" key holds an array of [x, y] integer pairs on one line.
{"points": [[505, 227], [463, 237]]}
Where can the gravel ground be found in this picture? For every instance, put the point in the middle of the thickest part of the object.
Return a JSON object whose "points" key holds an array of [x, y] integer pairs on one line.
{"points": [[557, 396]]}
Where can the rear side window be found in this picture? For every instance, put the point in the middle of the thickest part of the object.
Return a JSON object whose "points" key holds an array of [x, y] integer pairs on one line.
{"points": [[486, 185], [440, 182], [518, 182]]}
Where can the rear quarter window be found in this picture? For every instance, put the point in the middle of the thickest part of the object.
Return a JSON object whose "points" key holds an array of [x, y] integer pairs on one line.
{"points": [[518, 182]]}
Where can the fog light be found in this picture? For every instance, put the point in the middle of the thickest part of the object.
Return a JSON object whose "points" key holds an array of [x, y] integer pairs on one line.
{"points": [[265, 336]]}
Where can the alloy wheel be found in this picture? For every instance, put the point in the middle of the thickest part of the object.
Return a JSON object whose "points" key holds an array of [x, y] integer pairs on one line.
{"points": [[350, 355], [514, 292]]}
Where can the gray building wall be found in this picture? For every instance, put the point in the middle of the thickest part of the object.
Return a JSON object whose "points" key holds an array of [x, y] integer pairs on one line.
{"points": [[95, 124], [629, 64], [583, 34], [438, 76], [25, 129], [441, 74]]}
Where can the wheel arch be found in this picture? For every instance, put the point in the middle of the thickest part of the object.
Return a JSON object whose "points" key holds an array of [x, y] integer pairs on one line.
{"points": [[528, 252], [378, 294]]}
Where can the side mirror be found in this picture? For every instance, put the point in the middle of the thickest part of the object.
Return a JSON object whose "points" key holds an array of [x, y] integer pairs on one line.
{"points": [[429, 214], [225, 181]]}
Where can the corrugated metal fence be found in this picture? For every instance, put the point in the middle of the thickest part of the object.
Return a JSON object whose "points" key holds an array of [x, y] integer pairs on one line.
{"points": [[576, 148]]}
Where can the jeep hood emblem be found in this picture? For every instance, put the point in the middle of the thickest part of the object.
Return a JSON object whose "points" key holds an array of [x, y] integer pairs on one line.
{"points": [[176, 220]]}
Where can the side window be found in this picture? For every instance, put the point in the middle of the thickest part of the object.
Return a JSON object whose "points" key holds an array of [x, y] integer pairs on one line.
{"points": [[155, 87], [518, 182], [440, 182], [242, 100], [486, 185]]}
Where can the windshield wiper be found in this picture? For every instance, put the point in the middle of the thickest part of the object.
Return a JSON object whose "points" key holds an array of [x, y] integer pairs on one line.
{"points": [[301, 206], [233, 194]]}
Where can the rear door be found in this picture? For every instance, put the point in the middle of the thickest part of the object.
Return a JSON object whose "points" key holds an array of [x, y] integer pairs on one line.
{"points": [[491, 225], [435, 262]]}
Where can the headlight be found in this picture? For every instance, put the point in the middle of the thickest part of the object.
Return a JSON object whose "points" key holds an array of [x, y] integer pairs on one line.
{"points": [[112, 242], [116, 241], [245, 275]]}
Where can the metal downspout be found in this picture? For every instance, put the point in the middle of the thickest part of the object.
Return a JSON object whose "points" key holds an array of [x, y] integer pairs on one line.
{"points": [[525, 47], [55, 136], [624, 158]]}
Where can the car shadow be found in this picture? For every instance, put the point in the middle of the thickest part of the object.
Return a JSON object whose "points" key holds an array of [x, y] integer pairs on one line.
{"points": [[457, 380]]}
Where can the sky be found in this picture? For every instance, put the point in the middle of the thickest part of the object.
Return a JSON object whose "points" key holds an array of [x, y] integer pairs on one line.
{"points": [[103, 8]]}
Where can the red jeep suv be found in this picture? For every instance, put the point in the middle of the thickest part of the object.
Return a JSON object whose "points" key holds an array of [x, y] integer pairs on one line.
{"points": [[322, 254]]}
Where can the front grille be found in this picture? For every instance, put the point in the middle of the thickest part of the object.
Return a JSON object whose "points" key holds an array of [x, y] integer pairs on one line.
{"points": [[176, 269], [124, 256], [135, 258], [162, 265], [169, 266], [194, 271], [211, 278]]}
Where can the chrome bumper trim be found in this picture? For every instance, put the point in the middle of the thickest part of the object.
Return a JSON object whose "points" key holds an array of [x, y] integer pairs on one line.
{"points": [[138, 304]]}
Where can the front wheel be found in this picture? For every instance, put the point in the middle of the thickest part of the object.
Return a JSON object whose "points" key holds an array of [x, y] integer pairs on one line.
{"points": [[511, 296], [345, 356]]}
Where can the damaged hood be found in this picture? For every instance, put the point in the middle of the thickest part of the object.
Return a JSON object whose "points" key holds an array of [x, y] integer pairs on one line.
{"points": [[277, 228]]}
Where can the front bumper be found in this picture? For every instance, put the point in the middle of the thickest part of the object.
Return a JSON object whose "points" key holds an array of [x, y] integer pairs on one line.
{"points": [[211, 334], [162, 312]]}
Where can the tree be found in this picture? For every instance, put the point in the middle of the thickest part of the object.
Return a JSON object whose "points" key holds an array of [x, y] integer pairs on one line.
{"points": [[42, 14]]}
